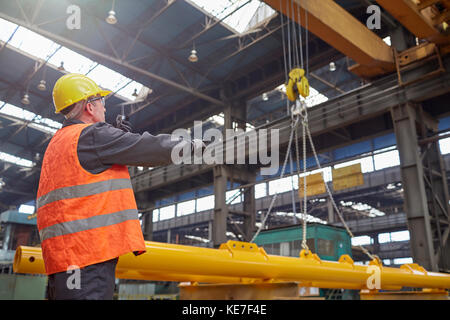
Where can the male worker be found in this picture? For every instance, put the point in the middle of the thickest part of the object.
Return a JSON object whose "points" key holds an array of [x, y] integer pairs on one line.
{"points": [[86, 211]]}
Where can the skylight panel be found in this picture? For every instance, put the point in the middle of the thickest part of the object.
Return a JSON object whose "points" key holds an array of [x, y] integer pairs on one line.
{"points": [[315, 97], [14, 111], [44, 48], [73, 62], [243, 19], [128, 90], [36, 121], [33, 43], [6, 29], [16, 160], [107, 78]]}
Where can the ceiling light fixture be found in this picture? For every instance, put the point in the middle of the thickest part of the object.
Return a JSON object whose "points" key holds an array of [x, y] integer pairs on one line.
{"points": [[332, 66], [265, 97], [111, 19], [135, 94], [193, 57], [61, 66], [26, 99], [41, 86]]}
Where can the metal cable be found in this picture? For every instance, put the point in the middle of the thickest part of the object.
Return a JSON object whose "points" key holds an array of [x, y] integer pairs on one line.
{"points": [[294, 127], [373, 257]]}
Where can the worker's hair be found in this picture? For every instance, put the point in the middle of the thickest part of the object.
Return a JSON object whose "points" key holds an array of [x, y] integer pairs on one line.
{"points": [[74, 111]]}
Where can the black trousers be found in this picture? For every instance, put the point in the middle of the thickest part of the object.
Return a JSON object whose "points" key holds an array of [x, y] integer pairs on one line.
{"points": [[94, 282]]}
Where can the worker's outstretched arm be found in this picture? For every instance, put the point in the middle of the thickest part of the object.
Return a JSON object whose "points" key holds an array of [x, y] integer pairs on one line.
{"points": [[101, 145]]}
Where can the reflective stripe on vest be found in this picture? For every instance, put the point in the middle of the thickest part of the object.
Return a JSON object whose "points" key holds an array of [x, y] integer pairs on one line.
{"points": [[103, 220], [83, 190]]}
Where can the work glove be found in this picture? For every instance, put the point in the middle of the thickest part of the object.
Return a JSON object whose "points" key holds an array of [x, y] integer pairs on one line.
{"points": [[123, 123]]}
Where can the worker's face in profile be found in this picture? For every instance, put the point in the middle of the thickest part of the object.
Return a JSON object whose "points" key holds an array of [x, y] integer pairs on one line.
{"points": [[98, 109]]}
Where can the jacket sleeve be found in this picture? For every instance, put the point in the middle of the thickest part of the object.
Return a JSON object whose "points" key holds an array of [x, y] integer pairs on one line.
{"points": [[102, 145]]}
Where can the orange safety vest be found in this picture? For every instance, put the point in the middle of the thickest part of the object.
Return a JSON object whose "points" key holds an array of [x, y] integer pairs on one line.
{"points": [[83, 218]]}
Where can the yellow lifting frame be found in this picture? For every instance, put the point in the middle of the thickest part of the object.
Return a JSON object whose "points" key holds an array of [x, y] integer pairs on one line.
{"points": [[242, 262]]}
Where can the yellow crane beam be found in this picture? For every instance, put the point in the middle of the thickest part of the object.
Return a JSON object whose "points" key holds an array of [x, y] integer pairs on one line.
{"points": [[409, 15], [334, 25], [242, 262]]}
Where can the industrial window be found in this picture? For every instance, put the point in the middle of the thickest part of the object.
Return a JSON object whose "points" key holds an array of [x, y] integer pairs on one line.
{"points": [[186, 207], [272, 248], [280, 185], [260, 190], [233, 194], [393, 236], [386, 160], [155, 217], [167, 212], [325, 247], [403, 260], [444, 144], [361, 241], [205, 203]]}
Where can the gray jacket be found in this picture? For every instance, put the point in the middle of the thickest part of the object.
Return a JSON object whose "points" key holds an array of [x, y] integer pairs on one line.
{"points": [[101, 145]]}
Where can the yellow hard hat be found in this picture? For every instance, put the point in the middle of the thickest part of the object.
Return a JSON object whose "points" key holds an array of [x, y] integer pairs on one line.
{"points": [[74, 87]]}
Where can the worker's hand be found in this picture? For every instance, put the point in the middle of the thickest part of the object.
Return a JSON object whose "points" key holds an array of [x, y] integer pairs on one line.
{"points": [[123, 124]]}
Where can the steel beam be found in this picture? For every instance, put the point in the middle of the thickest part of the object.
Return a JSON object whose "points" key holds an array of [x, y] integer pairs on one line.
{"points": [[102, 56], [334, 25], [364, 103], [409, 15]]}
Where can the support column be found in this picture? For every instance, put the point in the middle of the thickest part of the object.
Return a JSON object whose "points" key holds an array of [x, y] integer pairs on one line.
{"points": [[147, 225], [436, 187], [330, 211], [249, 207], [219, 224], [146, 205], [169, 235], [415, 199]]}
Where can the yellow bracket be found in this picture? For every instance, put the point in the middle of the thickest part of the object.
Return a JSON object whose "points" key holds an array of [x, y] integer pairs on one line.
{"points": [[297, 85]]}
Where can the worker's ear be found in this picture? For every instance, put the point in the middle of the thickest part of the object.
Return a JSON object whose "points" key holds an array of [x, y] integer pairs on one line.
{"points": [[89, 108]]}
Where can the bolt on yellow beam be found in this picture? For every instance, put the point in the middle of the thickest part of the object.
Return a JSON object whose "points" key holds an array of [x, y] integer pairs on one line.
{"points": [[237, 262]]}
